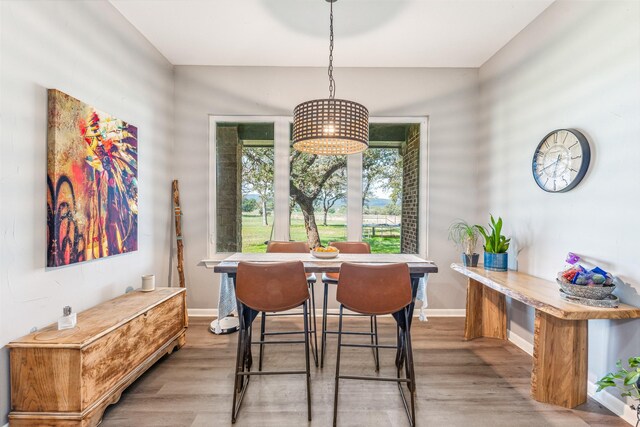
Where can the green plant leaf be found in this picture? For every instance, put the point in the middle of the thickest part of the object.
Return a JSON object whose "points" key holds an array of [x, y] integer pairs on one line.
{"points": [[620, 374], [634, 361], [632, 378], [605, 383]]}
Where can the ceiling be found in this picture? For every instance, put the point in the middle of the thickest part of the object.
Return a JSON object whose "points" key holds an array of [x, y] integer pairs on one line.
{"points": [[368, 33]]}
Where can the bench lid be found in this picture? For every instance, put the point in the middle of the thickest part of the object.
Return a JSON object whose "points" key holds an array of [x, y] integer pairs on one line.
{"points": [[97, 321]]}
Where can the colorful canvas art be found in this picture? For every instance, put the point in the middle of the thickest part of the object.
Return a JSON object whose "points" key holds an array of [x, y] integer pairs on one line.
{"points": [[92, 170]]}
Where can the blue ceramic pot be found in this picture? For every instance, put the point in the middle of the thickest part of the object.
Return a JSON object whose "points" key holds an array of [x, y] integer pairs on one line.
{"points": [[495, 262]]}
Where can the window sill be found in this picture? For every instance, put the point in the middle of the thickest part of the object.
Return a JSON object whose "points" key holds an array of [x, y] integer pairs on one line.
{"points": [[214, 260]]}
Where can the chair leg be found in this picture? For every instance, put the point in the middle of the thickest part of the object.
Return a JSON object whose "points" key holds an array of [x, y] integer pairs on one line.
{"points": [[400, 347], [375, 335], [324, 325], [306, 356], [410, 369], [240, 382], [373, 350], [313, 328], [335, 396], [236, 378], [262, 330]]}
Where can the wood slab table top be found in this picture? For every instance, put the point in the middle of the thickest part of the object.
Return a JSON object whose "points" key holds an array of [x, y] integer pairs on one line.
{"points": [[542, 294], [417, 265]]}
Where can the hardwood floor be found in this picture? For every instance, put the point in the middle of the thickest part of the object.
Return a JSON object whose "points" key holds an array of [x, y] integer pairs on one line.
{"points": [[484, 382]]}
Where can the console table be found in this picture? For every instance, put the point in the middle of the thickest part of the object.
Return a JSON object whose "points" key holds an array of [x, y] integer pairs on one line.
{"points": [[559, 374]]}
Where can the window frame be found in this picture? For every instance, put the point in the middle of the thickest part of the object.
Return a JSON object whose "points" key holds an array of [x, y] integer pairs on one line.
{"points": [[281, 182]]}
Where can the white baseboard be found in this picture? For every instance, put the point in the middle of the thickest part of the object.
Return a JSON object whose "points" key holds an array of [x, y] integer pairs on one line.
{"points": [[520, 342], [607, 400], [202, 312], [435, 312], [612, 403], [6, 425]]}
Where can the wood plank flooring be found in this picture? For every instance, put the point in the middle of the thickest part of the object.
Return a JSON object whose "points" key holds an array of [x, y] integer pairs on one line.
{"points": [[484, 382]]}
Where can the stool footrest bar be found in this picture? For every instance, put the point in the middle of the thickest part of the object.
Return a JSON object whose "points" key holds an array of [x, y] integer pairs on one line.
{"points": [[350, 333], [389, 379], [370, 346], [272, 373]]}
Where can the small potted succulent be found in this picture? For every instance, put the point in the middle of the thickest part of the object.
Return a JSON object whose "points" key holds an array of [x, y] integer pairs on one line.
{"points": [[627, 381], [465, 237], [495, 246]]}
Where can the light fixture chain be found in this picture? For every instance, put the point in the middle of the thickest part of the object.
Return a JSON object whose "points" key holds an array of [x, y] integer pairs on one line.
{"points": [[332, 83]]}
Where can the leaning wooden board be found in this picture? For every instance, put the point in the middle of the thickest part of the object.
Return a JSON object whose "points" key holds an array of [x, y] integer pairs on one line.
{"points": [[560, 348], [68, 378]]}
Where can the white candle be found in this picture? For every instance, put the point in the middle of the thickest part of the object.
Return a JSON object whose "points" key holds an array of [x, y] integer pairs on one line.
{"points": [[148, 282]]}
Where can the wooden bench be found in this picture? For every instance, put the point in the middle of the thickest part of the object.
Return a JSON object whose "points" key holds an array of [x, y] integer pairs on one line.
{"points": [[559, 374], [69, 377]]}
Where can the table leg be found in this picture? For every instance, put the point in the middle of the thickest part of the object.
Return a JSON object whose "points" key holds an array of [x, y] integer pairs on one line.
{"points": [[559, 374], [486, 312]]}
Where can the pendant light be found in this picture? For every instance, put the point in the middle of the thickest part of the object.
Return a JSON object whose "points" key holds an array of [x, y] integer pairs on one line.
{"points": [[330, 126]]}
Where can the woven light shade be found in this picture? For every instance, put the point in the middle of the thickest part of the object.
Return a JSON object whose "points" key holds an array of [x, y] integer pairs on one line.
{"points": [[330, 127]]}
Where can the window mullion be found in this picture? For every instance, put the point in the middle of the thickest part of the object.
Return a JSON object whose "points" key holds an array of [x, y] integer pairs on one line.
{"points": [[281, 180], [354, 197]]}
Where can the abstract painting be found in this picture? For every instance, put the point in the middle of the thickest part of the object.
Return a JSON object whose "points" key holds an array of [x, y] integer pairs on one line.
{"points": [[92, 170]]}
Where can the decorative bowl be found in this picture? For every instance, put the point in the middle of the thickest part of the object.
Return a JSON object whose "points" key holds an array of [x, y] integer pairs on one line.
{"points": [[583, 291], [325, 255]]}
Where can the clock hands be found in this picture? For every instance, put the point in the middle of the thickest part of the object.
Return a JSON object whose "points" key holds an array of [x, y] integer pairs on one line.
{"points": [[552, 164], [555, 171]]}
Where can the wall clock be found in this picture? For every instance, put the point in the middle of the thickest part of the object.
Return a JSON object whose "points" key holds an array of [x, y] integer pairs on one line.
{"points": [[561, 160]]}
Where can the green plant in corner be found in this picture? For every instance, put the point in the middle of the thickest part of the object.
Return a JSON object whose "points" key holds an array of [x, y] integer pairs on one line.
{"points": [[464, 235], [625, 380], [494, 241]]}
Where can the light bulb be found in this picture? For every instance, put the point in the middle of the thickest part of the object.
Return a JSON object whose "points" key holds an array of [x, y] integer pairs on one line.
{"points": [[328, 129]]}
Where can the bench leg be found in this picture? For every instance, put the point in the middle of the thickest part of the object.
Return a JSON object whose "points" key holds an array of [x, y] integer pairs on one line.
{"points": [[486, 312], [559, 374]]}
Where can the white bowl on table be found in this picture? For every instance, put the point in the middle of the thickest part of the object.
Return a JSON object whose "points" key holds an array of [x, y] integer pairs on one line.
{"points": [[324, 255]]}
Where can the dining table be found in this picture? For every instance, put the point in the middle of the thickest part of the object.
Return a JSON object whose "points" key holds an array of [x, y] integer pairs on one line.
{"points": [[419, 269]]}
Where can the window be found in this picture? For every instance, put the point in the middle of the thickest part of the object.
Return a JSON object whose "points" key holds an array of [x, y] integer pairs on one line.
{"points": [[318, 205], [390, 188], [382, 198], [264, 190], [244, 191]]}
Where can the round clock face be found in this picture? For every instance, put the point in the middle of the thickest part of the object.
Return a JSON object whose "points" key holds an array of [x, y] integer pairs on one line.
{"points": [[561, 160]]}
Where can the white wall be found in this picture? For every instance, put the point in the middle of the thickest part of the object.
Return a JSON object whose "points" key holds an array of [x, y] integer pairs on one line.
{"points": [[577, 65], [88, 50], [448, 96]]}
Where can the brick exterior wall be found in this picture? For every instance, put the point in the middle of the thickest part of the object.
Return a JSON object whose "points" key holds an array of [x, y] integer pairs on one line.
{"points": [[228, 190], [410, 191]]}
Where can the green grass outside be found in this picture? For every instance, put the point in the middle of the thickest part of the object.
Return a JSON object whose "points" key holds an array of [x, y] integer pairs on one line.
{"points": [[254, 234]]}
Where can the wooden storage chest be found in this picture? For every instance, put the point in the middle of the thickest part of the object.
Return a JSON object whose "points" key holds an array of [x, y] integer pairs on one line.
{"points": [[68, 378]]}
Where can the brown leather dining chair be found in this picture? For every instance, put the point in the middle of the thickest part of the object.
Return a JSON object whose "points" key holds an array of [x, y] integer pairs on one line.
{"points": [[332, 279], [274, 288], [379, 290], [274, 246]]}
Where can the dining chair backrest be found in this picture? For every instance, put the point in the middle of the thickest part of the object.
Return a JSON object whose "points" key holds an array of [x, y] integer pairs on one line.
{"points": [[271, 287], [288, 247], [374, 289], [348, 248], [352, 247]]}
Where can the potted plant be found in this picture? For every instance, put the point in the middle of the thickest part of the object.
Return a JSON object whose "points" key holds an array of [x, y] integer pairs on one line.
{"points": [[627, 381], [465, 237], [495, 246]]}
